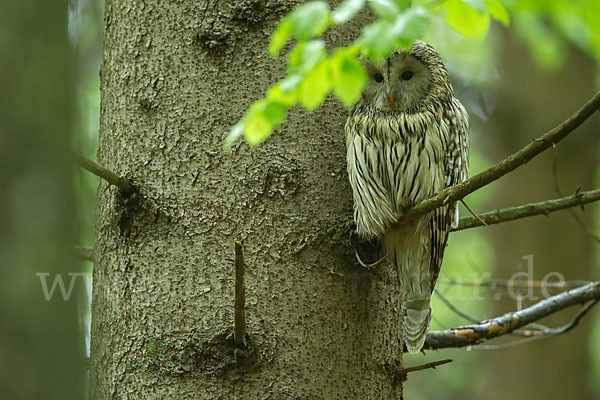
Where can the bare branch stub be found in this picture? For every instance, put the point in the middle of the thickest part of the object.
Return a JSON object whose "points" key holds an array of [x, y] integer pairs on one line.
{"points": [[475, 334], [104, 173], [239, 322]]}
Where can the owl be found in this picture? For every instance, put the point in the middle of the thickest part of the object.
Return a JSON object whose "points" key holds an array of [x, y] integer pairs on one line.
{"points": [[407, 139]]}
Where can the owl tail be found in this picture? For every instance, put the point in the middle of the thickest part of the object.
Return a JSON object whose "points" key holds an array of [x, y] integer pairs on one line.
{"points": [[416, 321], [413, 266]]}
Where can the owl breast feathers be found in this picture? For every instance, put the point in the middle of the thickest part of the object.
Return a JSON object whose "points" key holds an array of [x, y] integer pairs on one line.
{"points": [[407, 139]]}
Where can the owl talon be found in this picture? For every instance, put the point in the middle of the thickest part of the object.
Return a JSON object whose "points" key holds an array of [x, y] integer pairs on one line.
{"points": [[368, 266]]}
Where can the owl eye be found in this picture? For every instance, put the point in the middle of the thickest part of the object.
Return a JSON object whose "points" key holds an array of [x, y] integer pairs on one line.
{"points": [[406, 75], [378, 77]]}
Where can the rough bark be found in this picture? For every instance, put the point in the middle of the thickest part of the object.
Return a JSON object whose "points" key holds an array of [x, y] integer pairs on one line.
{"points": [[175, 77]]}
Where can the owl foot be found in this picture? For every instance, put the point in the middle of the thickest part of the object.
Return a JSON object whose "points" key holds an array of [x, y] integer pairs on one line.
{"points": [[368, 266]]}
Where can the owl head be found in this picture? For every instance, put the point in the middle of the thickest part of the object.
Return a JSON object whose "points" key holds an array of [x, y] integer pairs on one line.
{"points": [[407, 80]]}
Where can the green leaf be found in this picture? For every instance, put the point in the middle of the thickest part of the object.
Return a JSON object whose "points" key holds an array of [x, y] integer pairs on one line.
{"points": [[466, 20], [381, 37], [263, 116], [349, 77], [234, 134], [478, 5], [291, 82], [346, 10], [411, 24], [425, 3], [385, 9], [305, 55], [498, 11], [378, 43], [280, 36], [275, 113], [257, 129], [315, 86], [285, 92], [403, 4], [310, 19]]}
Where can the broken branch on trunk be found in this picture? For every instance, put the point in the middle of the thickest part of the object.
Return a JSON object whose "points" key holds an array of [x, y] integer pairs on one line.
{"points": [[104, 173], [239, 321]]}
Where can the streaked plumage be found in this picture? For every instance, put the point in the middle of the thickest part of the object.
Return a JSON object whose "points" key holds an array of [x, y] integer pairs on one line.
{"points": [[406, 140]]}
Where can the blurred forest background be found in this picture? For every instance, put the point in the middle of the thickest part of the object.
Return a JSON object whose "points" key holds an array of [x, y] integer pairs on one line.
{"points": [[517, 83]]}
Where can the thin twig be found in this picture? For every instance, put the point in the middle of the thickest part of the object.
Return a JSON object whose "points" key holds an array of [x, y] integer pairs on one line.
{"points": [[475, 334], [477, 217], [368, 266], [239, 321], [528, 210], [541, 331], [104, 173], [513, 283], [545, 331], [513, 343], [426, 366], [580, 221], [455, 309], [459, 191]]}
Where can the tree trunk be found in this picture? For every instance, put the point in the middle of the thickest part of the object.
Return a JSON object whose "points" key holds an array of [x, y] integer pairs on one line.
{"points": [[175, 77]]}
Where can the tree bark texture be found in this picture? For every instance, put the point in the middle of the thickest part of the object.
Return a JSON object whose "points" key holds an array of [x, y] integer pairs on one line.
{"points": [[175, 77]]}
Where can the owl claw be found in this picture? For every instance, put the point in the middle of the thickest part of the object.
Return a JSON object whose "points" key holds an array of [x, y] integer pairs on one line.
{"points": [[368, 266]]}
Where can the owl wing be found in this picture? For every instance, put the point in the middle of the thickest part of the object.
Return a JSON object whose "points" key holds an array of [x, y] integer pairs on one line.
{"points": [[457, 164], [456, 167], [373, 210]]}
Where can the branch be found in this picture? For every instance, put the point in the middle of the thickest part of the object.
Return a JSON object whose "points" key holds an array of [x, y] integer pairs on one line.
{"points": [[456, 309], [475, 334], [105, 174], [582, 223], [426, 366], [513, 283], [239, 319], [459, 191], [545, 331], [528, 210]]}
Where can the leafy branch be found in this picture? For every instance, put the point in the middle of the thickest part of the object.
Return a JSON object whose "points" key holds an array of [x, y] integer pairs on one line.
{"points": [[313, 73]]}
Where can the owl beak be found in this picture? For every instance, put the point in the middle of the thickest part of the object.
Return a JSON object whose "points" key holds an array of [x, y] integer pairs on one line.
{"points": [[391, 98]]}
